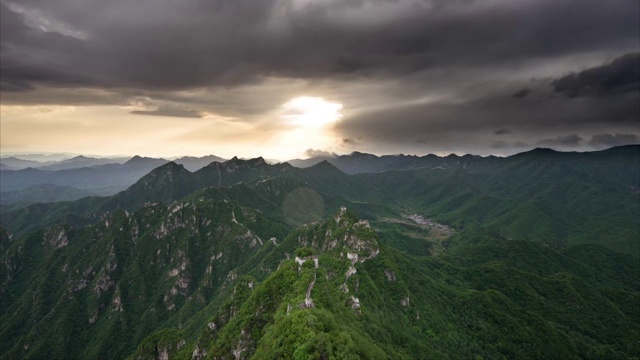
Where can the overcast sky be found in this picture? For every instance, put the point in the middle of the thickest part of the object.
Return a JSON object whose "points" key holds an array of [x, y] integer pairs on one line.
{"points": [[290, 78]]}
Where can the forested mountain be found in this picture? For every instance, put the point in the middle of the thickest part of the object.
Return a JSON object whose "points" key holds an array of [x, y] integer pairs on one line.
{"points": [[531, 256], [96, 176], [41, 193], [358, 163], [112, 176]]}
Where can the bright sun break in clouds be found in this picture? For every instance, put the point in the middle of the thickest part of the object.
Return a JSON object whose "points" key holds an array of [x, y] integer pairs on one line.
{"points": [[311, 112], [307, 124]]}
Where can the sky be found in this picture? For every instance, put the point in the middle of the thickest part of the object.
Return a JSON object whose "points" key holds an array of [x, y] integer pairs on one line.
{"points": [[290, 79]]}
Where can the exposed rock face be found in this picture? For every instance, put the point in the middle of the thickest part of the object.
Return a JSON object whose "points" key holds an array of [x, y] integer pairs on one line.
{"points": [[198, 353], [242, 346], [353, 235], [308, 302], [345, 236], [117, 302], [390, 275], [56, 236], [163, 354], [103, 284], [345, 242], [340, 215], [181, 252], [355, 303]]}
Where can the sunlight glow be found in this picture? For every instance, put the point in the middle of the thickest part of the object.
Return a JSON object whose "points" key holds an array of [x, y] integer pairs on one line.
{"points": [[311, 112]]}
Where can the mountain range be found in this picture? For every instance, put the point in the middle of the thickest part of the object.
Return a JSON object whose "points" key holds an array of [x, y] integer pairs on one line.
{"points": [[56, 180], [95, 176], [529, 256]]}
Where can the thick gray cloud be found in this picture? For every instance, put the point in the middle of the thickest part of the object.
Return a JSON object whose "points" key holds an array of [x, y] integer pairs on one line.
{"points": [[191, 43], [412, 74], [620, 76], [495, 121]]}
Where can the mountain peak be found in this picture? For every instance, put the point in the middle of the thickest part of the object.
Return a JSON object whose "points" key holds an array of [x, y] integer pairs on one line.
{"points": [[141, 160], [346, 217], [168, 170], [323, 163], [257, 161], [172, 165], [539, 152], [135, 159], [236, 162], [358, 154], [324, 166], [166, 183], [543, 150]]}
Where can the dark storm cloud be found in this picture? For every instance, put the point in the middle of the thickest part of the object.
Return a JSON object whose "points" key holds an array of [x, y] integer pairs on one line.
{"points": [[447, 126], [410, 73], [545, 119], [193, 43], [620, 76], [493, 112], [609, 140], [30, 55]]}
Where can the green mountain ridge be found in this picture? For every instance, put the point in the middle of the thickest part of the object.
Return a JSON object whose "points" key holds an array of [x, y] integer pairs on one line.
{"points": [[147, 263], [328, 303], [538, 195], [243, 259]]}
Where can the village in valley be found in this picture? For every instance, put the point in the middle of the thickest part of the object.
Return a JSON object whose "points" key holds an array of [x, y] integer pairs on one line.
{"points": [[421, 220], [417, 226]]}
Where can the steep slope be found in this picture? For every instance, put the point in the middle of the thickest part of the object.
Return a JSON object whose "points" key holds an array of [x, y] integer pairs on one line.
{"points": [[236, 171], [558, 198], [168, 182], [165, 183], [97, 291], [338, 292], [322, 265], [171, 182]]}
